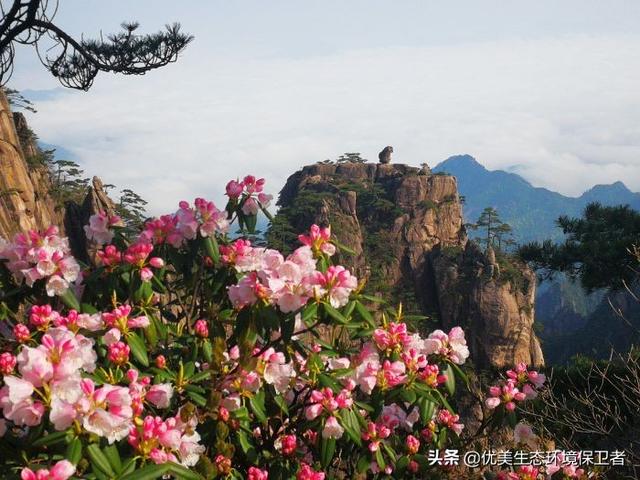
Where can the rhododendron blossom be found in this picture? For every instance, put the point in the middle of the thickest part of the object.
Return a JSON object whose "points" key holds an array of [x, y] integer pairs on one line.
{"points": [[99, 228], [41, 255], [62, 470], [187, 347]]}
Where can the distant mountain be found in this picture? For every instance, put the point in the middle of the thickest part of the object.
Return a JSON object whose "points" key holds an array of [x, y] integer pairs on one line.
{"points": [[568, 317], [531, 211]]}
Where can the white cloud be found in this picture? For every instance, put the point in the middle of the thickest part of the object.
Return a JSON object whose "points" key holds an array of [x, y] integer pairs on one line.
{"points": [[564, 110]]}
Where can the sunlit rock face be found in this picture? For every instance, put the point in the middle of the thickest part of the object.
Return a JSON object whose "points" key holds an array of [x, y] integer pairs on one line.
{"points": [[406, 230]]}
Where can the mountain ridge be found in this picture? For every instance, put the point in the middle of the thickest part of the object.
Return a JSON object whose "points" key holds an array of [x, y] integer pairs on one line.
{"points": [[531, 211]]}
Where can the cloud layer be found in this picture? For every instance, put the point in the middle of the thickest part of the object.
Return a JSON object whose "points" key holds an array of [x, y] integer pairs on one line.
{"points": [[564, 112]]}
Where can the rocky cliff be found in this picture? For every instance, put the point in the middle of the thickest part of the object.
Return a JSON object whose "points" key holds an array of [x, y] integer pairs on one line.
{"points": [[24, 187], [406, 228]]}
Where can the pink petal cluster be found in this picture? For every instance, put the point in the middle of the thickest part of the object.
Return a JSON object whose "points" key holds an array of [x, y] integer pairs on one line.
{"points": [[169, 440], [520, 384], [201, 328], [393, 336], [44, 255], [374, 434], [308, 473], [109, 256], [204, 218], [452, 345], [276, 370], [255, 473], [99, 228], [250, 189], [336, 283], [569, 469], [450, 420], [8, 362], [62, 470], [319, 240], [119, 318], [527, 380], [137, 255]]}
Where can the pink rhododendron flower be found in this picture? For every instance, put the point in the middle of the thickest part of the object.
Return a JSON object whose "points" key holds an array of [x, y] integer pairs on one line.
{"points": [[8, 362], [450, 420], [119, 318], [119, 353], [308, 473], [137, 255], [168, 440], [452, 345], [160, 395], [393, 336], [35, 255], [162, 230], [99, 228], [286, 444], [41, 316], [106, 411], [201, 328], [211, 219], [319, 240], [255, 473], [17, 404], [391, 374], [21, 332], [523, 434], [336, 283], [412, 444], [62, 470], [332, 429], [109, 256], [277, 371], [234, 189], [374, 435], [508, 394]]}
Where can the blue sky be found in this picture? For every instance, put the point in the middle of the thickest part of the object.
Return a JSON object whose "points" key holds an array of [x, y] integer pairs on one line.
{"points": [[547, 89]]}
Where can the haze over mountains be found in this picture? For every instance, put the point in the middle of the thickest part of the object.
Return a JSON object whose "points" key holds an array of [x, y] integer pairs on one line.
{"points": [[531, 211], [567, 315]]}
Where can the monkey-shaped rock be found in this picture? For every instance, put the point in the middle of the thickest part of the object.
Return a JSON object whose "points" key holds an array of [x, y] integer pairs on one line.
{"points": [[385, 154]]}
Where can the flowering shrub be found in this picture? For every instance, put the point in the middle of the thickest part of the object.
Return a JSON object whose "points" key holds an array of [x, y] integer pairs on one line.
{"points": [[187, 353]]}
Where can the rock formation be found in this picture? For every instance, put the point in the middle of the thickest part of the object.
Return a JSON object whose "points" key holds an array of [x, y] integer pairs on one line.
{"points": [[406, 228], [385, 155], [77, 216], [24, 184]]}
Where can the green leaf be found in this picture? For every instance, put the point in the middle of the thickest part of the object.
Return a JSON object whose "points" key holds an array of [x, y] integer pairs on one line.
{"points": [[426, 407], [380, 459], [182, 473], [70, 300], [207, 350], [327, 449], [138, 348], [74, 451], [335, 314], [197, 398], [247, 447], [112, 454], [460, 374], [310, 312], [408, 395], [51, 439], [282, 404], [450, 384], [342, 247], [129, 466], [99, 460], [198, 377], [212, 248], [257, 406], [149, 472], [365, 314]]}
